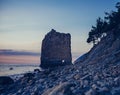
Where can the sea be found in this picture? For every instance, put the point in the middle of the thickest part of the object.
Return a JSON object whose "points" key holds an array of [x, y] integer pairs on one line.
{"points": [[16, 69]]}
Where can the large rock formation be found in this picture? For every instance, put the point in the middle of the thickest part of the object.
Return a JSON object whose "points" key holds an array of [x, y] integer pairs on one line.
{"points": [[56, 49]]}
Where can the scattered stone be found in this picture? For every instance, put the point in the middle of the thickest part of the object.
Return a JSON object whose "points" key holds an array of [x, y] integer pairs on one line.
{"points": [[85, 77], [91, 92], [96, 77], [104, 91], [62, 89], [101, 84], [77, 76], [86, 83], [115, 91], [30, 75], [94, 86], [117, 81], [36, 70]]}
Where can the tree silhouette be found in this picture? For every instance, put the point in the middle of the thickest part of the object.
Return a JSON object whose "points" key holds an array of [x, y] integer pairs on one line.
{"points": [[102, 27], [97, 32], [113, 18]]}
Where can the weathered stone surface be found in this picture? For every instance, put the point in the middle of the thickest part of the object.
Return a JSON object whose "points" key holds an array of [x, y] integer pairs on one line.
{"points": [[62, 89], [56, 49]]}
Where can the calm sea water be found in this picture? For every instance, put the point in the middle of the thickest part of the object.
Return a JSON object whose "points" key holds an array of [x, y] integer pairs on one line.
{"points": [[12, 69]]}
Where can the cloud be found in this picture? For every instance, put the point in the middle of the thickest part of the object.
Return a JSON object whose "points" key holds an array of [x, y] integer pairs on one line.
{"points": [[17, 53]]}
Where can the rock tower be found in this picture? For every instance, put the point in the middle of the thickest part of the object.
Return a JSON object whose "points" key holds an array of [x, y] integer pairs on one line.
{"points": [[56, 49]]}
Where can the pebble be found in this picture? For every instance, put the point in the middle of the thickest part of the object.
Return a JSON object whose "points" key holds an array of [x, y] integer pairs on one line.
{"points": [[94, 86], [77, 77], [88, 81]]}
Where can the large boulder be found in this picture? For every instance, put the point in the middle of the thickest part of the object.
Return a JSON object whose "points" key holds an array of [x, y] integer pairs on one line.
{"points": [[5, 80], [56, 49]]}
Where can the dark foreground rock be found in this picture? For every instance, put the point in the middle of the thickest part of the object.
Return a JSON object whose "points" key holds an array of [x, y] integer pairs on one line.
{"points": [[56, 49], [4, 80]]}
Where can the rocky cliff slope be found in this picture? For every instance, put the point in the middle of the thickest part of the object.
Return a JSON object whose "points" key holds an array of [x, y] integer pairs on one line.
{"points": [[107, 51]]}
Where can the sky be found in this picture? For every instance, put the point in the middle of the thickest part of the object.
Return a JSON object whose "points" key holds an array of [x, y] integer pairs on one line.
{"points": [[24, 23]]}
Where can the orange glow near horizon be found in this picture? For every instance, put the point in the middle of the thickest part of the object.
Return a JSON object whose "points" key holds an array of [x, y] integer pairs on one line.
{"points": [[19, 59]]}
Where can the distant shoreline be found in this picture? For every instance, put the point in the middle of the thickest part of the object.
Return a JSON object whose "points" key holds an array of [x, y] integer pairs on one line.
{"points": [[14, 69]]}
